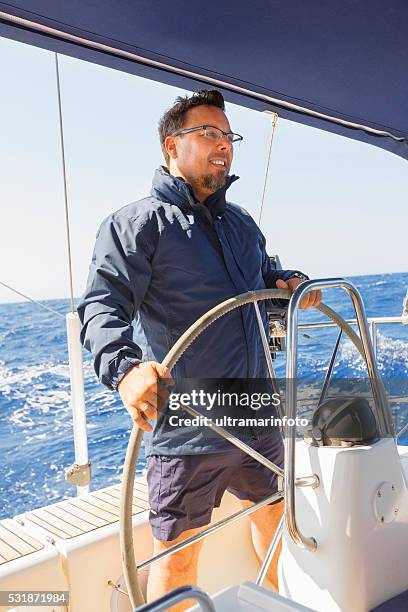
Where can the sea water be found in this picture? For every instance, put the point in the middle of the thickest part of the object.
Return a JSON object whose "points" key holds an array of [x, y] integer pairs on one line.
{"points": [[36, 438]]}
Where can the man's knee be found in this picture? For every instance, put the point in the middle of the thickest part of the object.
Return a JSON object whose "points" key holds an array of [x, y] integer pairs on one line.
{"points": [[180, 560]]}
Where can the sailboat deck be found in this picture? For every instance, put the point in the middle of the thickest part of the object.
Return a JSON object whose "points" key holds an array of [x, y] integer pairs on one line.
{"points": [[67, 519], [14, 543]]}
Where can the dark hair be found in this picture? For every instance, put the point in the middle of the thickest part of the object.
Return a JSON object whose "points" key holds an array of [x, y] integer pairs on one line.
{"points": [[174, 118]]}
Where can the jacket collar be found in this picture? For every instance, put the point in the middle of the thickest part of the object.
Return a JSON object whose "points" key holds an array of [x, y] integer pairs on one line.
{"points": [[175, 190]]}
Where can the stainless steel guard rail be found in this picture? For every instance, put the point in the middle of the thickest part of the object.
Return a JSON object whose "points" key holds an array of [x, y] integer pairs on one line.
{"points": [[383, 415], [181, 594]]}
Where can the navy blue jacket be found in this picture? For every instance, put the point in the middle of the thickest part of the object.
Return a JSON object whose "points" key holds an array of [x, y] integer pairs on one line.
{"points": [[162, 262]]}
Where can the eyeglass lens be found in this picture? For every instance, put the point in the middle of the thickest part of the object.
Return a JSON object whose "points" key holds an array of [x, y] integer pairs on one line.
{"points": [[216, 134]]}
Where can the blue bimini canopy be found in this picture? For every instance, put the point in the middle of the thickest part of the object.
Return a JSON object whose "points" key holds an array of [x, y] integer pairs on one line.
{"points": [[338, 65]]}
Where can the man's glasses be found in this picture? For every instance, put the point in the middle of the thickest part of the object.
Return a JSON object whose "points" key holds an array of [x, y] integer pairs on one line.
{"points": [[213, 133]]}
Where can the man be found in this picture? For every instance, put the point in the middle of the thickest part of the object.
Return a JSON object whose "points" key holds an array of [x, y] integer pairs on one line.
{"points": [[164, 261]]}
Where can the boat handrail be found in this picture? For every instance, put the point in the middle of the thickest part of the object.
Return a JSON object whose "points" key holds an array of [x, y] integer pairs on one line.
{"points": [[380, 400], [176, 596], [370, 320]]}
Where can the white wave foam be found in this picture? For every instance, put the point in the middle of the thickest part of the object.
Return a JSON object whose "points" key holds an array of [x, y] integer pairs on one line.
{"points": [[21, 418], [392, 357], [26, 376], [40, 436]]}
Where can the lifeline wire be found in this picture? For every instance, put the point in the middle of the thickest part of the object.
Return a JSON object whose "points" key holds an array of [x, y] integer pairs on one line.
{"points": [[274, 120], [64, 174], [33, 301]]}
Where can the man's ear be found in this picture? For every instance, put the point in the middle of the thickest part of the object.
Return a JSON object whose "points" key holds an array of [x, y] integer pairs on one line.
{"points": [[170, 146]]}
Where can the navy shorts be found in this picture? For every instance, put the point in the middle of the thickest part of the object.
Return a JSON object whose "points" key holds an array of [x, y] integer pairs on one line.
{"points": [[183, 490]]}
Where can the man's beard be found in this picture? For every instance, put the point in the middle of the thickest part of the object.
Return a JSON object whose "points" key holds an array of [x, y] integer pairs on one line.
{"points": [[213, 182]]}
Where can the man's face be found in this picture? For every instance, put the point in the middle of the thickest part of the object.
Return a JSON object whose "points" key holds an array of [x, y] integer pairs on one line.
{"points": [[197, 158]]}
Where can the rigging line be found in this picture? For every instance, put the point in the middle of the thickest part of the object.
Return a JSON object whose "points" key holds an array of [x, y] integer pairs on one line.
{"points": [[274, 120], [64, 175], [32, 300]]}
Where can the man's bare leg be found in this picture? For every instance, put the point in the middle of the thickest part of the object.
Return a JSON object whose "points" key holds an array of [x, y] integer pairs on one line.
{"points": [[178, 569], [263, 526]]}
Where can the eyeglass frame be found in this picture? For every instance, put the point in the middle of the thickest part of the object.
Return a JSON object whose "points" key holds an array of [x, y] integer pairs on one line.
{"points": [[203, 127]]}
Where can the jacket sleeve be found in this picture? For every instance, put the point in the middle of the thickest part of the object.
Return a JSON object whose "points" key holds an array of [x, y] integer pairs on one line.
{"points": [[118, 279]]}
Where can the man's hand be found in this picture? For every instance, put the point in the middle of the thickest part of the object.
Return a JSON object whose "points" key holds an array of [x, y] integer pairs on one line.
{"points": [[313, 298], [142, 393]]}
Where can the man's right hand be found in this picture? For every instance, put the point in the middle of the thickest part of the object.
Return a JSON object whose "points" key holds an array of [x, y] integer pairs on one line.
{"points": [[142, 393]]}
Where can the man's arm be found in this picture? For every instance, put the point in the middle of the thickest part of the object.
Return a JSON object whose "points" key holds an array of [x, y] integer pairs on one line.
{"points": [[118, 278]]}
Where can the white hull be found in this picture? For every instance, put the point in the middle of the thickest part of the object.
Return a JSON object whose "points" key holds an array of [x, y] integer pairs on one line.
{"points": [[360, 562]]}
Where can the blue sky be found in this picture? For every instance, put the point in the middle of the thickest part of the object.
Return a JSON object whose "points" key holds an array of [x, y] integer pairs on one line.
{"points": [[333, 207]]}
